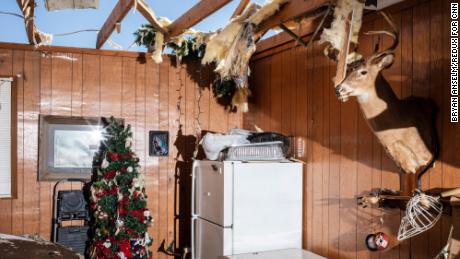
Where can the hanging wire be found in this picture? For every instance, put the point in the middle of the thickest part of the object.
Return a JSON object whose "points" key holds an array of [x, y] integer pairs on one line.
{"points": [[74, 32], [12, 14]]}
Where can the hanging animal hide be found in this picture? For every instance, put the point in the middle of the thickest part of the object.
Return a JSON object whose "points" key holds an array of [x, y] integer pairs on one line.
{"points": [[219, 43], [233, 47], [335, 35]]}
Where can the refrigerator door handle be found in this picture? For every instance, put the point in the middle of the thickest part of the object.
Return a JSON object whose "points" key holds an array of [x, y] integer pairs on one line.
{"points": [[194, 168], [194, 218]]}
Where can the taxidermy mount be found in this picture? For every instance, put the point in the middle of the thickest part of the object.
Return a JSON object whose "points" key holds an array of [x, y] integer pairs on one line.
{"points": [[405, 127]]}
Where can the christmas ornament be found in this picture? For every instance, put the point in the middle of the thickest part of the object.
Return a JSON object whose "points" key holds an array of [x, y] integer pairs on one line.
{"points": [[377, 241]]}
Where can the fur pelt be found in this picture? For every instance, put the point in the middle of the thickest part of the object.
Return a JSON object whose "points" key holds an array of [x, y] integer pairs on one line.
{"points": [[232, 48], [237, 59], [219, 43], [335, 35]]}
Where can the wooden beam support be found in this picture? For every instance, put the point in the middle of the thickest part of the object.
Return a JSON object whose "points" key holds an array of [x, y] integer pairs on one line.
{"points": [[27, 8], [194, 15], [240, 8], [118, 13], [293, 35], [291, 10], [148, 13]]}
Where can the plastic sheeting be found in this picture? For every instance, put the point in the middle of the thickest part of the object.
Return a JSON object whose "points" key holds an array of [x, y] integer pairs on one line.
{"points": [[56, 5]]}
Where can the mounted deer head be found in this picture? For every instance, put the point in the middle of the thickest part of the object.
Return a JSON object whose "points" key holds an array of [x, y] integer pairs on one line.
{"points": [[362, 74], [404, 127]]}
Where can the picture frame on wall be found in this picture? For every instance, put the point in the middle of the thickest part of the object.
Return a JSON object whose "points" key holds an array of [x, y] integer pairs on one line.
{"points": [[158, 143], [67, 146]]}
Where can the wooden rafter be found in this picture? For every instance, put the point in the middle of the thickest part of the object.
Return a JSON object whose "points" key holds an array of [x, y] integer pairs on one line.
{"points": [[293, 35], [148, 13], [116, 16], [240, 8], [194, 15], [27, 8], [291, 10]]}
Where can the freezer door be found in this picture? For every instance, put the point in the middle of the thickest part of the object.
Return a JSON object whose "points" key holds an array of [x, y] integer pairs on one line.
{"points": [[213, 192], [267, 207], [279, 254], [210, 241]]}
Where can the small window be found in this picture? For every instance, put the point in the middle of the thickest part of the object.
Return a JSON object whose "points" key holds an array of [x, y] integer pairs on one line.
{"points": [[67, 146], [7, 133]]}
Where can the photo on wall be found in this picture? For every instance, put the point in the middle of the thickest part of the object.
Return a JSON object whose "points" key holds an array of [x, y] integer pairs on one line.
{"points": [[158, 143]]}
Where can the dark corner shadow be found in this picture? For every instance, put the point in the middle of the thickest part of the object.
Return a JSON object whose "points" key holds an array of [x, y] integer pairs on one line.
{"points": [[185, 145]]}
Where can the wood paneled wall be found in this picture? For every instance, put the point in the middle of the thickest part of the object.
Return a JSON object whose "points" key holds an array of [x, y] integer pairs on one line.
{"points": [[76, 82], [293, 93]]}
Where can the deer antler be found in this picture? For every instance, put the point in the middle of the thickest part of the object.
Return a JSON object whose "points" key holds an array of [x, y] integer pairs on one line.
{"points": [[394, 34]]}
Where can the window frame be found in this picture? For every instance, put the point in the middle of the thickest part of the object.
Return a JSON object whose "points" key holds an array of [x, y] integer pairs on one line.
{"points": [[14, 137]]}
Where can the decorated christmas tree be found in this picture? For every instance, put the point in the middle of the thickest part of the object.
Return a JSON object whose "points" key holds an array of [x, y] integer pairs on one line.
{"points": [[118, 200]]}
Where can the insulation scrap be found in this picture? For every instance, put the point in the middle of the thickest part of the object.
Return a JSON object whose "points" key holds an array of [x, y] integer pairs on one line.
{"points": [[158, 47], [232, 47], [336, 34], [56, 5], [266, 11], [159, 41], [45, 38], [219, 44]]}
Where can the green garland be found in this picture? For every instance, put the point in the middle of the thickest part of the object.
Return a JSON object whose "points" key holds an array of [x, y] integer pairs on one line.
{"points": [[187, 47]]}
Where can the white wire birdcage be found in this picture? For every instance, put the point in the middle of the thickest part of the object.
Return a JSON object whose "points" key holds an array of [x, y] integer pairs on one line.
{"points": [[422, 213]]}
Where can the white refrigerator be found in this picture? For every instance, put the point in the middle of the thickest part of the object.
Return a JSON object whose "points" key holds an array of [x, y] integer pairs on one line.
{"points": [[245, 207]]}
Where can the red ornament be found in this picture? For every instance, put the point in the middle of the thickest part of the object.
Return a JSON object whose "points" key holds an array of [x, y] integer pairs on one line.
{"points": [[126, 156], [377, 241], [125, 247], [113, 156], [139, 214], [100, 193], [104, 252], [113, 191], [110, 175], [122, 211]]}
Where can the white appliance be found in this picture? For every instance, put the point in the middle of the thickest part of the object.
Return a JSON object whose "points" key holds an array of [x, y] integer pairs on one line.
{"points": [[245, 207], [278, 254]]}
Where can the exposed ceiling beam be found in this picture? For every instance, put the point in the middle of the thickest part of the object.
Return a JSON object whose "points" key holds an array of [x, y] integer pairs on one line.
{"points": [[291, 10], [194, 15], [148, 13], [27, 8], [240, 8], [118, 13]]}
